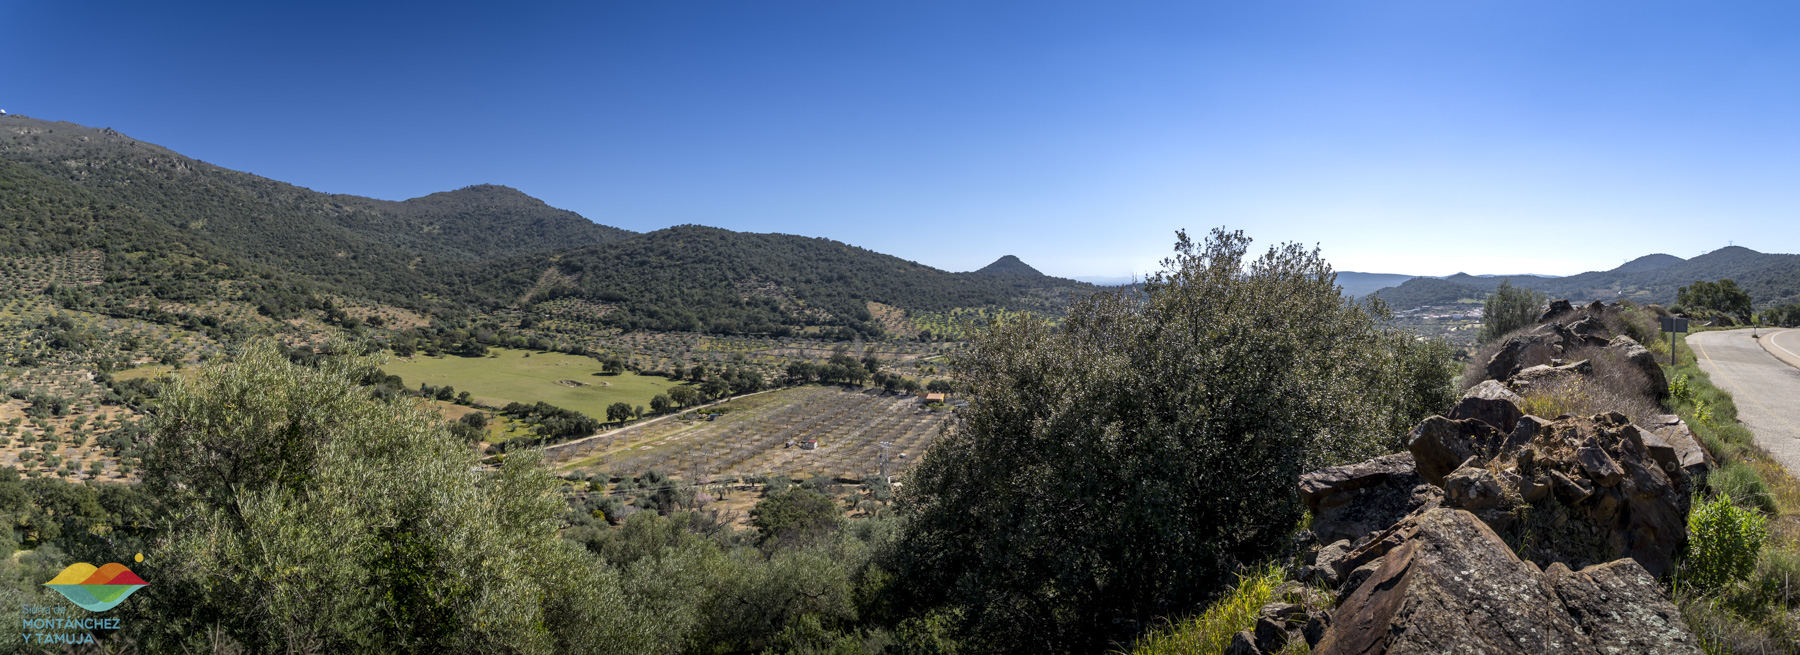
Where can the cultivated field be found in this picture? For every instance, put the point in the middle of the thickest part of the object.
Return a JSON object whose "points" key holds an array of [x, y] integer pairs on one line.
{"points": [[751, 437], [567, 381]]}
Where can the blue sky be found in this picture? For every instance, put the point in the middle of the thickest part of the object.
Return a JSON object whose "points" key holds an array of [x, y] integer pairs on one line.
{"points": [[1424, 137]]}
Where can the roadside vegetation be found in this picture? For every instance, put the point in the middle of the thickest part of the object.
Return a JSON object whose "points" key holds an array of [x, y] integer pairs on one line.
{"points": [[1753, 607]]}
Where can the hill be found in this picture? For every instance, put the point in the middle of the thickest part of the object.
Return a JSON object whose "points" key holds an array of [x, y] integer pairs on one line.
{"points": [[1771, 279], [404, 252], [696, 278], [1357, 285], [1009, 265], [171, 227]]}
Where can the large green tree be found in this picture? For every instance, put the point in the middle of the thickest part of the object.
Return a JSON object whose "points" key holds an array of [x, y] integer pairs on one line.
{"points": [[307, 516], [1711, 298], [1117, 467]]}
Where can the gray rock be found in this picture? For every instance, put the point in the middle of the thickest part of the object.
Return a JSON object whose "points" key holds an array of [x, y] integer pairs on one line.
{"points": [[1452, 586], [1492, 403], [1271, 634], [1600, 467], [1329, 561], [1557, 308], [1473, 488], [1621, 608], [1440, 445], [1315, 629], [1353, 500], [1243, 643]]}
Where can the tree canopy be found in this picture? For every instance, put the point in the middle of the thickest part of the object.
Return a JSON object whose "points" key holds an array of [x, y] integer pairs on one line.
{"points": [[1115, 469]]}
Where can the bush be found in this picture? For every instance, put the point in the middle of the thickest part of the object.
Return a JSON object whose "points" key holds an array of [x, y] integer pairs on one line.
{"points": [[1119, 466], [1508, 309], [1723, 542]]}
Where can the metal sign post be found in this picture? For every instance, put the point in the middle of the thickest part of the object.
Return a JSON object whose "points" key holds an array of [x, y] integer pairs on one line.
{"points": [[1671, 325]]}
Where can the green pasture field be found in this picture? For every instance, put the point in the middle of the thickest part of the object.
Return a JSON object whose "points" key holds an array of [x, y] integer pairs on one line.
{"points": [[515, 377]]}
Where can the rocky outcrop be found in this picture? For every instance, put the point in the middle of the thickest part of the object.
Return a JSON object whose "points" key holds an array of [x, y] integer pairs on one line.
{"points": [[1502, 532], [1348, 502], [1581, 491], [1453, 585]]}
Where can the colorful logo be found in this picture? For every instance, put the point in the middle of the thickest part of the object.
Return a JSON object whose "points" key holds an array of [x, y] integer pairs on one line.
{"points": [[96, 589]]}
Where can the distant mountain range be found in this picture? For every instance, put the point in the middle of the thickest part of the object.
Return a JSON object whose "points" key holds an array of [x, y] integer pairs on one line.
{"points": [[1771, 279], [175, 228]]}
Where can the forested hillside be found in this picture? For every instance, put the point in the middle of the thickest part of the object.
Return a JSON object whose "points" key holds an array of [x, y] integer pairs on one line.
{"points": [[1771, 279], [175, 228], [407, 253], [696, 278]]}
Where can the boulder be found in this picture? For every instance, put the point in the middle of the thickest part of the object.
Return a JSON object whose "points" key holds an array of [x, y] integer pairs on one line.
{"points": [[1353, 500], [1557, 308], [1452, 586], [1635, 355], [1243, 643], [1544, 375], [1440, 445], [1538, 346], [1674, 446], [1474, 488], [1620, 606], [1329, 560], [1492, 403], [1590, 331]]}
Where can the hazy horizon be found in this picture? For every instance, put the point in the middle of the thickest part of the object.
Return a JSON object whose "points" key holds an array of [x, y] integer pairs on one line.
{"points": [[1410, 138]]}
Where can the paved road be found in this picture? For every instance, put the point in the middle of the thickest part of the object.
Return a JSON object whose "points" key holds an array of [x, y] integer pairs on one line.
{"points": [[1764, 378]]}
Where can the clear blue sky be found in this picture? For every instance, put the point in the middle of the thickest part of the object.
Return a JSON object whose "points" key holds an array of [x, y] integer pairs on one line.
{"points": [[1423, 137]]}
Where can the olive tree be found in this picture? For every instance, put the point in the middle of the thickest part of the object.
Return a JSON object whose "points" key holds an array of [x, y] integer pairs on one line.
{"points": [[305, 515], [1117, 467]]}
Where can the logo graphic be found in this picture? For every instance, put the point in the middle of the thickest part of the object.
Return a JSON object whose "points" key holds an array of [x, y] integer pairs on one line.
{"points": [[96, 589]]}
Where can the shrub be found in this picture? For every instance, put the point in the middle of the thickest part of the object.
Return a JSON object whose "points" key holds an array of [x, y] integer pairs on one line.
{"points": [[1508, 309], [1723, 542], [1119, 466]]}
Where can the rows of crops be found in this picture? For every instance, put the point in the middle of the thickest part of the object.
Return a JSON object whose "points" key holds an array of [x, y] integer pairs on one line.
{"points": [[753, 437]]}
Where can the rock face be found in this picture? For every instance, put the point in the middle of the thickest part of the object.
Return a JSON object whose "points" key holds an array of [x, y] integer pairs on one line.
{"points": [[1452, 585], [1348, 502], [1492, 403]]}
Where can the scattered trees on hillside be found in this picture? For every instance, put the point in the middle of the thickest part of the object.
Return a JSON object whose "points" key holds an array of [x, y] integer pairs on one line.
{"points": [[1507, 309], [1117, 467]]}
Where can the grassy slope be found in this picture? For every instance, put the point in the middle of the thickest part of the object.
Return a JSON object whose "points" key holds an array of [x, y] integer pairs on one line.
{"points": [[515, 377]]}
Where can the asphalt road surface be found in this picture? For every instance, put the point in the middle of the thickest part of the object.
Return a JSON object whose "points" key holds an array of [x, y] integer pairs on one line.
{"points": [[1763, 376]]}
